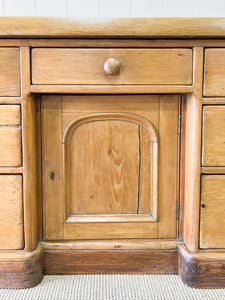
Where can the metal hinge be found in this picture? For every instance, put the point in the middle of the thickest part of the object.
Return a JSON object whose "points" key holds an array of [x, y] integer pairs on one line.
{"points": [[179, 124], [178, 210]]}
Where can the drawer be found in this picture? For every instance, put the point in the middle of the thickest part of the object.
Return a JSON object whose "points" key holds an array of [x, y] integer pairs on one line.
{"points": [[11, 212], [214, 78], [132, 66], [213, 148], [10, 136], [10, 72], [212, 221]]}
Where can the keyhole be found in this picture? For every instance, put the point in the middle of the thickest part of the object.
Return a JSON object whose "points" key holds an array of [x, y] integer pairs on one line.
{"points": [[52, 175]]}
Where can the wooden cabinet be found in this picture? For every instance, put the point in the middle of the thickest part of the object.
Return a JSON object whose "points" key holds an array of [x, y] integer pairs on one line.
{"points": [[112, 148], [110, 166]]}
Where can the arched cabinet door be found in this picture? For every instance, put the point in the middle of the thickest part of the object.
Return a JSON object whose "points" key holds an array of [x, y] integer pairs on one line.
{"points": [[109, 166]]}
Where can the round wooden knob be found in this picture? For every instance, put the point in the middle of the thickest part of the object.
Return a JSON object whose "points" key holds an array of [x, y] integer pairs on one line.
{"points": [[112, 66]]}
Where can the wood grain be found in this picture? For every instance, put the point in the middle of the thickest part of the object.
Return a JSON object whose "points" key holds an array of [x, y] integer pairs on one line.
{"points": [[21, 269], [10, 115], [193, 156], [213, 149], [212, 226], [110, 262], [85, 66], [29, 148], [10, 72], [168, 160], [52, 162], [201, 270], [112, 27], [11, 212], [214, 79]]}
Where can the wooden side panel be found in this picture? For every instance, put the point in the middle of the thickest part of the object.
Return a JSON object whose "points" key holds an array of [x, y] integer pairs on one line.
{"points": [[212, 223], [11, 212], [168, 160], [214, 79], [105, 168], [86, 66], [213, 150], [10, 72], [52, 162]]}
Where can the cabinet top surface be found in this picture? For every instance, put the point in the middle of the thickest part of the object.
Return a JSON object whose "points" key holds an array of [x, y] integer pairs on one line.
{"points": [[24, 27]]}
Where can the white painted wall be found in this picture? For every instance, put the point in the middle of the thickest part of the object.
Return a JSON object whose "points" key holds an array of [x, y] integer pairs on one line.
{"points": [[113, 8]]}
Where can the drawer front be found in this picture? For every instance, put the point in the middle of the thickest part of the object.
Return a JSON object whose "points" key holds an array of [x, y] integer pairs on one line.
{"points": [[11, 212], [137, 66], [10, 136], [212, 224], [214, 79], [10, 72], [213, 150]]}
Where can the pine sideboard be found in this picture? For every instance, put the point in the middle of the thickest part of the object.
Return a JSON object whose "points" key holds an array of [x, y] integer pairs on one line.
{"points": [[112, 143]]}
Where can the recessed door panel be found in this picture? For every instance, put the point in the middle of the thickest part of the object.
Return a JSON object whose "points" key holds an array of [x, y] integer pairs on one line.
{"points": [[104, 166]]}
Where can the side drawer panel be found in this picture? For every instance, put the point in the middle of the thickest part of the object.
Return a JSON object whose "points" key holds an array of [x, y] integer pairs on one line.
{"points": [[212, 223], [10, 72], [11, 212], [10, 136], [214, 78], [213, 147]]}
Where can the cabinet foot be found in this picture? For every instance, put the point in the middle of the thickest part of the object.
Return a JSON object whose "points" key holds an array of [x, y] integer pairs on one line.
{"points": [[21, 269], [202, 269]]}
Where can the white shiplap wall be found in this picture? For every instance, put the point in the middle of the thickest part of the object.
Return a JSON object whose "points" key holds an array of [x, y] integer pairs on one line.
{"points": [[113, 8]]}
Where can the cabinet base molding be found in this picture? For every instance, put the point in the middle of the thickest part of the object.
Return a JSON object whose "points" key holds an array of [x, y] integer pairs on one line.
{"points": [[21, 269], [110, 261], [202, 270]]}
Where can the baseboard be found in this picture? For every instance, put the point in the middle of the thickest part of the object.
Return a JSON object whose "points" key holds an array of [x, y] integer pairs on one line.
{"points": [[21, 269], [202, 269], [110, 261]]}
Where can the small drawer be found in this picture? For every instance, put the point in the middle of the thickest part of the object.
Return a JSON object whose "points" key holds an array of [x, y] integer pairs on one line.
{"points": [[213, 147], [11, 212], [112, 66], [214, 75], [10, 72], [212, 221], [10, 136]]}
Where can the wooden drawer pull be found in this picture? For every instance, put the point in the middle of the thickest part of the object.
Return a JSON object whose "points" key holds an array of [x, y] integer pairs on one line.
{"points": [[112, 66]]}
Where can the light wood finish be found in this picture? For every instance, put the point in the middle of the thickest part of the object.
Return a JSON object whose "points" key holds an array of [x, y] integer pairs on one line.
{"points": [[10, 132], [11, 170], [213, 150], [212, 226], [52, 162], [193, 156], [29, 155], [112, 27], [214, 79], [93, 128], [213, 101], [110, 89], [86, 66], [112, 67], [168, 158], [11, 212], [213, 170], [10, 72], [131, 244], [10, 115]]}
